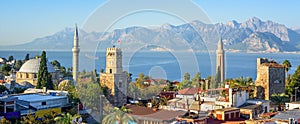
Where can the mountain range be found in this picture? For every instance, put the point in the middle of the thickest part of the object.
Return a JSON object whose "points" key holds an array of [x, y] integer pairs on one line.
{"points": [[253, 35]]}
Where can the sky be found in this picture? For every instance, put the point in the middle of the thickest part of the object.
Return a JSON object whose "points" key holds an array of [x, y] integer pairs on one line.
{"points": [[25, 20]]}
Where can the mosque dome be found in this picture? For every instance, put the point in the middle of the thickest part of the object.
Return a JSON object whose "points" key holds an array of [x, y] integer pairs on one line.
{"points": [[32, 66]]}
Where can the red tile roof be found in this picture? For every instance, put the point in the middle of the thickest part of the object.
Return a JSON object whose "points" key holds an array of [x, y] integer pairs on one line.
{"points": [[139, 110], [188, 91]]}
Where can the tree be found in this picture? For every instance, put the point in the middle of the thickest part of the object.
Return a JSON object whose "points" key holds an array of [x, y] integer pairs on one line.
{"points": [[279, 100], [67, 85], [18, 64], [196, 79], [26, 57], [89, 94], [5, 68], [10, 58], [65, 118], [118, 115], [44, 77], [49, 83], [140, 80], [287, 65], [56, 64], [186, 76], [293, 82]]}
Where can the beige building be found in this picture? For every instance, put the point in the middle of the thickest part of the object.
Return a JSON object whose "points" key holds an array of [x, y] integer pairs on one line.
{"points": [[270, 79], [114, 78], [29, 72]]}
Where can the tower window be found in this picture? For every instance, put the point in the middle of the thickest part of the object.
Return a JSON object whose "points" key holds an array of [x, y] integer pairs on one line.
{"points": [[120, 84], [110, 70]]}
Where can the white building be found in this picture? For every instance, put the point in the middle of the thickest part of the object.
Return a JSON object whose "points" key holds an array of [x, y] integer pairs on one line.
{"points": [[33, 102]]}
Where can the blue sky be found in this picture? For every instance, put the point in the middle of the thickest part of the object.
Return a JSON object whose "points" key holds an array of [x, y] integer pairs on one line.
{"points": [[25, 20]]}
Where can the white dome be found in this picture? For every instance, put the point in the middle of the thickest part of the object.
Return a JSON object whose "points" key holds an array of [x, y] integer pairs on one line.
{"points": [[32, 66]]}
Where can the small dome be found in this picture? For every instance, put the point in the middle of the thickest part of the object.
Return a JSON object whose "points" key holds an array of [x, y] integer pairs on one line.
{"points": [[32, 66]]}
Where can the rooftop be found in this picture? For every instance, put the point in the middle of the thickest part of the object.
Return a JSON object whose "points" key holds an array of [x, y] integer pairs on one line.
{"points": [[249, 106], [272, 65], [288, 114], [32, 66], [227, 109], [37, 97], [189, 91]]}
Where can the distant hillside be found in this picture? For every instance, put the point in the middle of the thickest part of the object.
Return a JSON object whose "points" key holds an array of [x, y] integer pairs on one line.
{"points": [[253, 35]]}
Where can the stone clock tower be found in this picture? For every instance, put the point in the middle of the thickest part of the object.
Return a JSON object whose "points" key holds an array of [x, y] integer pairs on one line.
{"points": [[114, 78]]}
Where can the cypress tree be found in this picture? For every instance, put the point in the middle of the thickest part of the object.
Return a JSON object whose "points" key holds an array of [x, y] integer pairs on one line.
{"points": [[43, 72], [49, 83]]}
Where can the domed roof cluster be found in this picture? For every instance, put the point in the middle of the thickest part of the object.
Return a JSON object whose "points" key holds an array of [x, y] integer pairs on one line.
{"points": [[32, 66]]}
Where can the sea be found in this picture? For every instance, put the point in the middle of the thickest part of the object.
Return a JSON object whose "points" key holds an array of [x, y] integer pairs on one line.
{"points": [[167, 65]]}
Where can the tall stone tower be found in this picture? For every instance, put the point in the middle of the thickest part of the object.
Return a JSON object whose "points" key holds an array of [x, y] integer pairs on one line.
{"points": [[220, 67], [270, 79], [75, 51], [114, 78]]}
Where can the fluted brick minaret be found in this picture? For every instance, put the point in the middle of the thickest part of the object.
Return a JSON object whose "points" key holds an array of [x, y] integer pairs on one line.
{"points": [[220, 67]]}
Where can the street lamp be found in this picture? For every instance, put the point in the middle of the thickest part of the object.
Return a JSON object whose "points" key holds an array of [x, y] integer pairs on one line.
{"points": [[296, 88]]}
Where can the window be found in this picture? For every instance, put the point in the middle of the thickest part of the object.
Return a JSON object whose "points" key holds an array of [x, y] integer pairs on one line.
{"points": [[120, 84], [34, 76], [110, 70], [44, 103], [276, 82]]}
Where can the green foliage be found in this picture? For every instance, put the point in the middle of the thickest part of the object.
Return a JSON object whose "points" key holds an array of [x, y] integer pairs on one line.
{"points": [[196, 79], [18, 64], [18, 90], [287, 65], [5, 68], [3, 88], [279, 99], [5, 121], [187, 76], [118, 115], [43, 72], [154, 102], [67, 85], [89, 94], [144, 93], [10, 58], [26, 57], [30, 119], [56, 64], [163, 101], [293, 82], [65, 118], [49, 118], [140, 80], [49, 83], [186, 84]]}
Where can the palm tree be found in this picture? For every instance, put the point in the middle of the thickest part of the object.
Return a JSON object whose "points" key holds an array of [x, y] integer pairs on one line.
{"points": [[287, 65], [65, 118], [279, 99], [119, 115]]}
